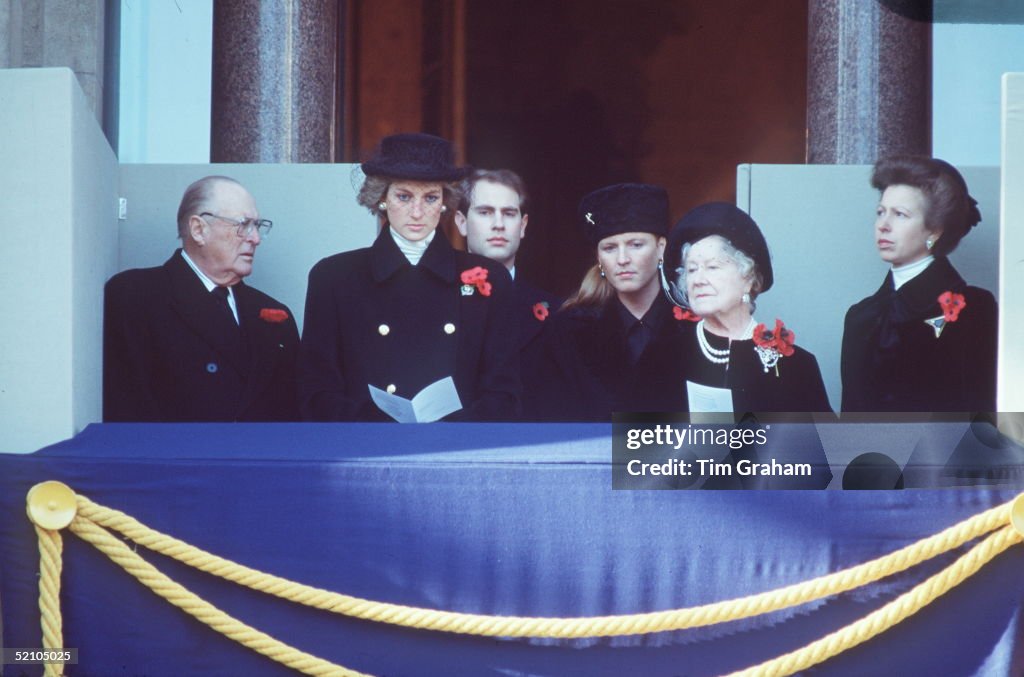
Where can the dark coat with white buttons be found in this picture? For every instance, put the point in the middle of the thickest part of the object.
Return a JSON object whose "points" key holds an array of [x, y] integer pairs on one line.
{"points": [[172, 353], [372, 318]]}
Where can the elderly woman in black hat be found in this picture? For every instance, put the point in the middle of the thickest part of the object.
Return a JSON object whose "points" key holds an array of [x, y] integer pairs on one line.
{"points": [[925, 341], [409, 311], [734, 362], [613, 346]]}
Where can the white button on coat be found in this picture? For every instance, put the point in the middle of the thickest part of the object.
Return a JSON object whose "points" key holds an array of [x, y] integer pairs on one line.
{"points": [[449, 328], [384, 330], [391, 389]]}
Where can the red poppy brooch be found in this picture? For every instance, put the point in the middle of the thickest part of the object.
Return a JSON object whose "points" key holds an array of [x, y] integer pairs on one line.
{"points": [[273, 315], [540, 311], [684, 314], [951, 305], [771, 345], [475, 279]]}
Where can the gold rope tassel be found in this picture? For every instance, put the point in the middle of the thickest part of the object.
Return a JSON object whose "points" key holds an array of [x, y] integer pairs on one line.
{"points": [[559, 628], [51, 546]]}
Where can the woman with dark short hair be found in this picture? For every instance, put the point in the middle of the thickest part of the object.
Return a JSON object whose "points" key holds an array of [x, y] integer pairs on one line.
{"points": [[613, 345], [408, 311], [926, 340]]}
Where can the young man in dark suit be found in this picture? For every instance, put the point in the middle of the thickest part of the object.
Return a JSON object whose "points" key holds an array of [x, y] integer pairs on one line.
{"points": [[492, 217], [189, 340]]}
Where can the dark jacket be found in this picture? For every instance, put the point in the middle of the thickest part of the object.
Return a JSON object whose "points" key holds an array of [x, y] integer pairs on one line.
{"points": [[794, 385], [534, 308], [372, 318], [171, 353], [892, 361], [584, 374]]}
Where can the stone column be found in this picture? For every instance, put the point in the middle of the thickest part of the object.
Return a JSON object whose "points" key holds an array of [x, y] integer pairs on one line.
{"points": [[275, 81], [868, 80], [49, 33]]}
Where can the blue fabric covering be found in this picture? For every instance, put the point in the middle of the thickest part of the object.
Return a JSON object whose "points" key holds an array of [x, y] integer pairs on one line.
{"points": [[502, 519]]}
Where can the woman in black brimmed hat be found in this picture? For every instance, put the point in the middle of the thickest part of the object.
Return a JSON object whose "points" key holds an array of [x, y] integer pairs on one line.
{"points": [[925, 341], [408, 311], [734, 363], [613, 346]]}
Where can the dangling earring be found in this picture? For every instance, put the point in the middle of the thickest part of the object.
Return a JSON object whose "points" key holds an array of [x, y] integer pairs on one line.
{"points": [[929, 243], [383, 205], [661, 263], [602, 270], [746, 298]]}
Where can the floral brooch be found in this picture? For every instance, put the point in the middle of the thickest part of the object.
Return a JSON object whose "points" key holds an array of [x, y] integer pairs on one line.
{"points": [[951, 305], [684, 314], [273, 315], [772, 345], [540, 310], [475, 279]]}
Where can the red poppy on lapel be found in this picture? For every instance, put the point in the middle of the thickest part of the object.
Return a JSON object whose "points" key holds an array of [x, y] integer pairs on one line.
{"points": [[780, 339], [681, 314], [476, 277], [274, 315], [951, 305], [540, 310]]}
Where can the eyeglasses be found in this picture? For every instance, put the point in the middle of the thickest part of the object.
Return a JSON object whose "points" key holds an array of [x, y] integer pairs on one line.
{"points": [[245, 227]]}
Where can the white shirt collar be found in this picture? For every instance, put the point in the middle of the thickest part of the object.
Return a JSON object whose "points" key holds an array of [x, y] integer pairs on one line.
{"points": [[512, 272], [207, 282], [904, 274]]}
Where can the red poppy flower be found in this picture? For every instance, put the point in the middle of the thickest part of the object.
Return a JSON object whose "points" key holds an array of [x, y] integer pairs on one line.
{"points": [[951, 305], [477, 277], [540, 311], [274, 315], [681, 314], [780, 339], [474, 275]]}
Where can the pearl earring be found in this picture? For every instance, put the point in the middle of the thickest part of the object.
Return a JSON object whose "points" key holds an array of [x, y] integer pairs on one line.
{"points": [[444, 208], [602, 271], [383, 205], [746, 298], [929, 243]]}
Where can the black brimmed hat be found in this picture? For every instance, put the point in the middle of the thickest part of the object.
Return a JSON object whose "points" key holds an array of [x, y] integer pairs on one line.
{"points": [[417, 157], [624, 208], [728, 221]]}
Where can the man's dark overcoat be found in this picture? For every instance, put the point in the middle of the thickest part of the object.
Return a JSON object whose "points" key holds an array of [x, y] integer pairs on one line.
{"points": [[172, 353], [892, 361], [372, 318]]}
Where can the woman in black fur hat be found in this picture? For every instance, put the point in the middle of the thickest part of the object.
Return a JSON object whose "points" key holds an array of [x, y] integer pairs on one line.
{"points": [[613, 346], [734, 363], [408, 311], [925, 341]]}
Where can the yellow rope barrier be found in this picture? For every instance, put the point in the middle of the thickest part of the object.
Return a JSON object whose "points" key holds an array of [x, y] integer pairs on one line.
{"points": [[560, 628], [202, 610], [889, 615], [51, 545], [87, 520]]}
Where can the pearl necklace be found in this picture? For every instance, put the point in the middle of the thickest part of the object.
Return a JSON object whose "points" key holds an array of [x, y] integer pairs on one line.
{"points": [[716, 355]]}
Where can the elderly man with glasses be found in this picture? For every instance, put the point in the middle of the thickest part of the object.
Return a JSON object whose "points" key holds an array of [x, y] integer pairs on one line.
{"points": [[189, 340]]}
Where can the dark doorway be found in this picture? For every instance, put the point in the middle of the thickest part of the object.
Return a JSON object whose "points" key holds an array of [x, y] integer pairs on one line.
{"points": [[578, 94]]}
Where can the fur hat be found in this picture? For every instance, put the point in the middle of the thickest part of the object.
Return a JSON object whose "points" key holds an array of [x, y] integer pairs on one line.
{"points": [[728, 221], [415, 157], [624, 208]]}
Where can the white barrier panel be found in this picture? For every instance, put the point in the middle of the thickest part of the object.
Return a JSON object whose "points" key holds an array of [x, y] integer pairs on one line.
{"points": [[58, 188], [1011, 321]]}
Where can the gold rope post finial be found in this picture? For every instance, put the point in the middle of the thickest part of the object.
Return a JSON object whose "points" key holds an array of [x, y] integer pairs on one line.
{"points": [[51, 506]]}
